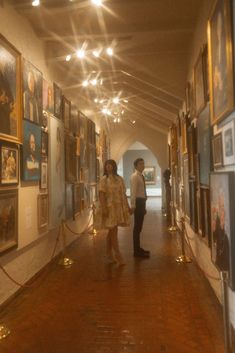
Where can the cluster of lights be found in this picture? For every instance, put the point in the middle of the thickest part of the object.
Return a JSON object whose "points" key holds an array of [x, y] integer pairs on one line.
{"points": [[94, 2], [81, 53], [93, 82]]}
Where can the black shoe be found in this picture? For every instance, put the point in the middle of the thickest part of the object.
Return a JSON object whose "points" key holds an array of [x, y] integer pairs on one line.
{"points": [[141, 254], [144, 251]]}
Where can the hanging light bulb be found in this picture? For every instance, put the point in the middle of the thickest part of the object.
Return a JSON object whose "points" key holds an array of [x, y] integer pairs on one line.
{"points": [[80, 54], [109, 51], [68, 58]]}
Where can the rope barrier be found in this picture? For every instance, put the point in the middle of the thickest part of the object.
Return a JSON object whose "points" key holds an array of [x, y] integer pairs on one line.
{"points": [[86, 228]]}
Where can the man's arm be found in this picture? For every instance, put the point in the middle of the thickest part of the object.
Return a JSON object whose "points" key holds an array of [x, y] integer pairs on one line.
{"points": [[133, 190]]}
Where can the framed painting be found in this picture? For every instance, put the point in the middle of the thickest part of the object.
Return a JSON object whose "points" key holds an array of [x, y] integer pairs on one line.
{"points": [[48, 97], [192, 149], [186, 186], [8, 220], [221, 60], [32, 93], [31, 151], [66, 112], [205, 214], [43, 211], [44, 175], [69, 201], [149, 174], [77, 198], [9, 162], [217, 150], [92, 163], [74, 121], [193, 205], [200, 100], [228, 143], [205, 67], [44, 144], [57, 101], [70, 159], [56, 172], [204, 145], [222, 189], [10, 92]]}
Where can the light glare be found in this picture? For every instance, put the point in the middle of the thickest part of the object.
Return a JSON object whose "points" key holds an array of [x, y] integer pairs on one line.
{"points": [[85, 83], [96, 2], [36, 3], [116, 100], [68, 58], [80, 54], [109, 51], [96, 53]]}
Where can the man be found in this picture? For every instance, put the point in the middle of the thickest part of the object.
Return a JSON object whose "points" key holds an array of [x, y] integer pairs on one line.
{"points": [[138, 205], [31, 109], [32, 164]]}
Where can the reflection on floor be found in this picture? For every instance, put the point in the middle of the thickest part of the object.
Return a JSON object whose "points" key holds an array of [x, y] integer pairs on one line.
{"points": [[148, 306]]}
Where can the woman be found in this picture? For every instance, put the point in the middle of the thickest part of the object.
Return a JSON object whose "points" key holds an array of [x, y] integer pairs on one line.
{"points": [[115, 210]]}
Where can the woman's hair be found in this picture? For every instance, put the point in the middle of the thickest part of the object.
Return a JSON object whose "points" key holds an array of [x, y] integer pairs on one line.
{"points": [[113, 164]]}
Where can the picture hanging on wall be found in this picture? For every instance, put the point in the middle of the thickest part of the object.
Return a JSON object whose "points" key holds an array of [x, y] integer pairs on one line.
{"points": [[77, 198], [48, 97], [205, 214], [43, 181], [10, 107], [42, 211], [9, 161], [31, 151], [221, 61], [149, 174], [200, 100], [217, 150], [66, 110], [228, 143], [222, 189], [44, 144], [70, 159], [8, 220], [32, 93], [69, 201], [57, 101]]}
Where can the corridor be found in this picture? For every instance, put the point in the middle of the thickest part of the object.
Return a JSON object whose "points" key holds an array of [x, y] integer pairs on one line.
{"points": [[148, 306]]}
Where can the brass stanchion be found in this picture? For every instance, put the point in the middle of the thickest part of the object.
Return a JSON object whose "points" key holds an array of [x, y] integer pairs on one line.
{"points": [[225, 302], [173, 227], [183, 258], [4, 331], [65, 261]]}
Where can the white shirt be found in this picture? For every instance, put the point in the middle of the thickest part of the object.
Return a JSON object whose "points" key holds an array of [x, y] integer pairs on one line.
{"points": [[137, 187]]}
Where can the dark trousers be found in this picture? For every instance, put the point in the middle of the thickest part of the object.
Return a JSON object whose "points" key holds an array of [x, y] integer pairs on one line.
{"points": [[139, 213]]}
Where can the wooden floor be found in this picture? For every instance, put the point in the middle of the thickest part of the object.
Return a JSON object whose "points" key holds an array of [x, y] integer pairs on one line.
{"points": [[148, 306]]}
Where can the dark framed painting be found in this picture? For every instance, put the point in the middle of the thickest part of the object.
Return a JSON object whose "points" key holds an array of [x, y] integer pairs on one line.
{"points": [[205, 65], [186, 186], [66, 110], [193, 205], [10, 92], [200, 96], [32, 93], [8, 220], [221, 60], [222, 189], [228, 143], [205, 209], [149, 174], [44, 144], [74, 120], [204, 145], [92, 163], [69, 204], [44, 175], [217, 150], [43, 211], [48, 97], [77, 198], [31, 151], [57, 101], [192, 149], [70, 159], [9, 162]]}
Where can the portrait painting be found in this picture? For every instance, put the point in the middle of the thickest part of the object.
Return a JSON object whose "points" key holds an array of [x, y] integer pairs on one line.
{"points": [[48, 97], [32, 93], [31, 151], [70, 159], [8, 220], [217, 150], [222, 188], [42, 211], [44, 144], [56, 172], [66, 110], [200, 100], [57, 101], [221, 61], [10, 99], [204, 145], [228, 143], [149, 174], [43, 179], [9, 164]]}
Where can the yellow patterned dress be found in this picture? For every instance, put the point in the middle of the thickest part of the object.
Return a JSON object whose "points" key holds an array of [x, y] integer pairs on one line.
{"points": [[116, 202]]}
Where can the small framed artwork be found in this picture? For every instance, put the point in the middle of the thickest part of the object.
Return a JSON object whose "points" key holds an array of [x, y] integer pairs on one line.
{"points": [[149, 175], [43, 181], [8, 220], [44, 144], [217, 150], [222, 189], [221, 60], [200, 100], [43, 211], [10, 92], [9, 164], [48, 97], [69, 204], [205, 65], [228, 143], [77, 199], [32, 95], [186, 186], [57, 101], [70, 159], [193, 205], [66, 110], [205, 214]]}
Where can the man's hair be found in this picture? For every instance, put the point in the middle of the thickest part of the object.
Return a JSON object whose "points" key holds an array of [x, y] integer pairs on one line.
{"points": [[137, 161]]}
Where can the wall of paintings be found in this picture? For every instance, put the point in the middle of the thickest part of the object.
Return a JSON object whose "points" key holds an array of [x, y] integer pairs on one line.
{"points": [[49, 165], [203, 147]]}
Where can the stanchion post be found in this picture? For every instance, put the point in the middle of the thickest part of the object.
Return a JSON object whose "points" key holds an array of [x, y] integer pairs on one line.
{"points": [[4, 331], [65, 261], [94, 231], [225, 303], [173, 227], [183, 258]]}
